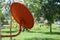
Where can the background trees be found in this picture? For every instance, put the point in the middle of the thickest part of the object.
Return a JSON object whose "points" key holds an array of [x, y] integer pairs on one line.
{"points": [[2, 16], [48, 9]]}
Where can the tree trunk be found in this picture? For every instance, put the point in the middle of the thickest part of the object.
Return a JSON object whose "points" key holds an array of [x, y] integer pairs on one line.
{"points": [[50, 28]]}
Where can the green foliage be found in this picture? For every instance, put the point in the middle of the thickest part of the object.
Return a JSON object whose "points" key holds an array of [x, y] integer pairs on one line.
{"points": [[2, 18], [49, 9]]}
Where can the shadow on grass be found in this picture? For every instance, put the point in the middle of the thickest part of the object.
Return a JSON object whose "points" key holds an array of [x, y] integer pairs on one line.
{"points": [[34, 32], [58, 33], [41, 39], [9, 31]]}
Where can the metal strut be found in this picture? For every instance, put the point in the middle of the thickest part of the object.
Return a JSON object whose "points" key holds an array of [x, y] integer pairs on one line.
{"points": [[12, 35]]}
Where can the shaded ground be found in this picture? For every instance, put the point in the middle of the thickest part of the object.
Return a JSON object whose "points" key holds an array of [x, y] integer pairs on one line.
{"points": [[41, 39]]}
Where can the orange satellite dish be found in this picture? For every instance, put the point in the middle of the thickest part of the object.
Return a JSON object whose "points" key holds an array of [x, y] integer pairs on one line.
{"points": [[22, 15]]}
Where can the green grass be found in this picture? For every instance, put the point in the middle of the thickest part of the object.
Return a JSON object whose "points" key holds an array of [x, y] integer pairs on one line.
{"points": [[36, 33]]}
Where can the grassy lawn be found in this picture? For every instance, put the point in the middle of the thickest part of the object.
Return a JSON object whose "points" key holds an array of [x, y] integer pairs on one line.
{"points": [[36, 33]]}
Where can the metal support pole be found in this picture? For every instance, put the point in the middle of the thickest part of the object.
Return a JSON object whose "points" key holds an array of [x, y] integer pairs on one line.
{"points": [[11, 28], [10, 23], [0, 23], [0, 29], [0, 33]]}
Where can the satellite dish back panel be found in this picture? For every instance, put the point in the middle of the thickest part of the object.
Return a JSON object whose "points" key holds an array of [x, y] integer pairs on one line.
{"points": [[22, 15]]}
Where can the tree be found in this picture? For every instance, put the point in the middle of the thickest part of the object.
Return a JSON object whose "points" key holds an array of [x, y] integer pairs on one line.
{"points": [[2, 18], [49, 9]]}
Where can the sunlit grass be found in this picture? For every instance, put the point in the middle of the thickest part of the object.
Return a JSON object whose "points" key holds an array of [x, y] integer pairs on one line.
{"points": [[37, 33]]}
